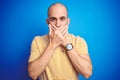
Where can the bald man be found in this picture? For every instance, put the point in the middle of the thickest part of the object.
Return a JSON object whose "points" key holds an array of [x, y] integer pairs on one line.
{"points": [[59, 55]]}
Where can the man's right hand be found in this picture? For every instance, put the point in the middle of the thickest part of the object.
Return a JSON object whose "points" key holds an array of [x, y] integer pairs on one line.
{"points": [[57, 35]]}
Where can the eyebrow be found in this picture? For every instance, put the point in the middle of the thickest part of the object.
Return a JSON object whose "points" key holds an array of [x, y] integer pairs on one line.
{"points": [[52, 18], [63, 17]]}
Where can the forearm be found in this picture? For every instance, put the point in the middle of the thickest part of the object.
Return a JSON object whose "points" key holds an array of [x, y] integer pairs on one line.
{"points": [[81, 64], [36, 67]]}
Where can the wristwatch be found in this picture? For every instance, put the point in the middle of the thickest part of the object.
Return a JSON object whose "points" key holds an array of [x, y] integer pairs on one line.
{"points": [[69, 46]]}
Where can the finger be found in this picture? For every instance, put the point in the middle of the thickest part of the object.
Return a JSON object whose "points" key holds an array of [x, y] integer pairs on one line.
{"points": [[61, 29], [65, 32], [50, 30], [64, 29], [54, 27], [64, 25], [49, 25]]}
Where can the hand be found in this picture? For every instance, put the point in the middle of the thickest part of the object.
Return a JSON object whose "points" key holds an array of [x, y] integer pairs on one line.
{"points": [[67, 40], [57, 35]]}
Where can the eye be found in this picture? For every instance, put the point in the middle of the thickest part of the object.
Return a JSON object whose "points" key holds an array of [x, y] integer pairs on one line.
{"points": [[63, 19], [52, 19]]}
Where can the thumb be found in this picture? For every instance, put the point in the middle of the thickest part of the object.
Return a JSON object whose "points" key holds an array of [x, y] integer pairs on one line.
{"points": [[50, 30]]}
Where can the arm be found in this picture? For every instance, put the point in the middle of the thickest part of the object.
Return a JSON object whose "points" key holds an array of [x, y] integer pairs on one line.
{"points": [[81, 63], [36, 67]]}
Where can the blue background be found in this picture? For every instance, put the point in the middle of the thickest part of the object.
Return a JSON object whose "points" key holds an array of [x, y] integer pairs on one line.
{"points": [[97, 21]]}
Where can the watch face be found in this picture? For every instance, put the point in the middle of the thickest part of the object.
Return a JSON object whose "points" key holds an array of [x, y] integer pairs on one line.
{"points": [[69, 46]]}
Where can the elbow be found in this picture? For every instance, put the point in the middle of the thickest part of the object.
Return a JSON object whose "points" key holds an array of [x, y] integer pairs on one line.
{"points": [[88, 73], [34, 77], [31, 73]]}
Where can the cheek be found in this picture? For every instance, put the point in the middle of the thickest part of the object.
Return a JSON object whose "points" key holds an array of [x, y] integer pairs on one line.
{"points": [[52, 23], [65, 22]]}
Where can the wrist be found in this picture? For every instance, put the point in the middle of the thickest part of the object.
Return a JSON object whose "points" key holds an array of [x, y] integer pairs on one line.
{"points": [[67, 40], [65, 43], [52, 46], [69, 47]]}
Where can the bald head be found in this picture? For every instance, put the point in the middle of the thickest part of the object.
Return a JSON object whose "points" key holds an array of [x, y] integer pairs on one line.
{"points": [[57, 7], [57, 15]]}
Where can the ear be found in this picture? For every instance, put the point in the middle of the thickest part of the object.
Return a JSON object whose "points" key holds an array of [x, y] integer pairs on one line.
{"points": [[47, 21], [68, 21]]}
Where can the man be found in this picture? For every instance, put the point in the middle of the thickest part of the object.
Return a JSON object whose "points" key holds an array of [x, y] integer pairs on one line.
{"points": [[59, 55]]}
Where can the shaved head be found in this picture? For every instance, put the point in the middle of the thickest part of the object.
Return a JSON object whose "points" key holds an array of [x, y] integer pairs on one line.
{"points": [[57, 6], [57, 15]]}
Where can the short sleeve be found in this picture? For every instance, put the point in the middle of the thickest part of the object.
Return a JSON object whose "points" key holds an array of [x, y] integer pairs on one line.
{"points": [[81, 45], [35, 52]]}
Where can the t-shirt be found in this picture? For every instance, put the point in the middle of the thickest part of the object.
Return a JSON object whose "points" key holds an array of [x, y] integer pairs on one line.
{"points": [[59, 67]]}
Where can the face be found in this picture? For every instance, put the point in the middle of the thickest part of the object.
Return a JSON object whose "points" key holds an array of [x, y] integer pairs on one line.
{"points": [[57, 16]]}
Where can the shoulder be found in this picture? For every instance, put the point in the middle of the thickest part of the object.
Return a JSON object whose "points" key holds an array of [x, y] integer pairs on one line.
{"points": [[41, 37], [80, 44], [41, 40], [77, 38]]}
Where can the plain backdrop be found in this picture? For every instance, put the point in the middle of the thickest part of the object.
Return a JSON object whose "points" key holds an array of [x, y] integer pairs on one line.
{"points": [[97, 21]]}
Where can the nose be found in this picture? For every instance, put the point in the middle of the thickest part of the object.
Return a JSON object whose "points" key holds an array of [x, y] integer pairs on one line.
{"points": [[57, 23]]}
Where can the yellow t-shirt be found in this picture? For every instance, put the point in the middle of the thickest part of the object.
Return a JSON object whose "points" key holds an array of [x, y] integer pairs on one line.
{"points": [[59, 67]]}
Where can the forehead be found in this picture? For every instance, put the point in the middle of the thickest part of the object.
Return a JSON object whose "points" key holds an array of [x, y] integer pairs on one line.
{"points": [[57, 11]]}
